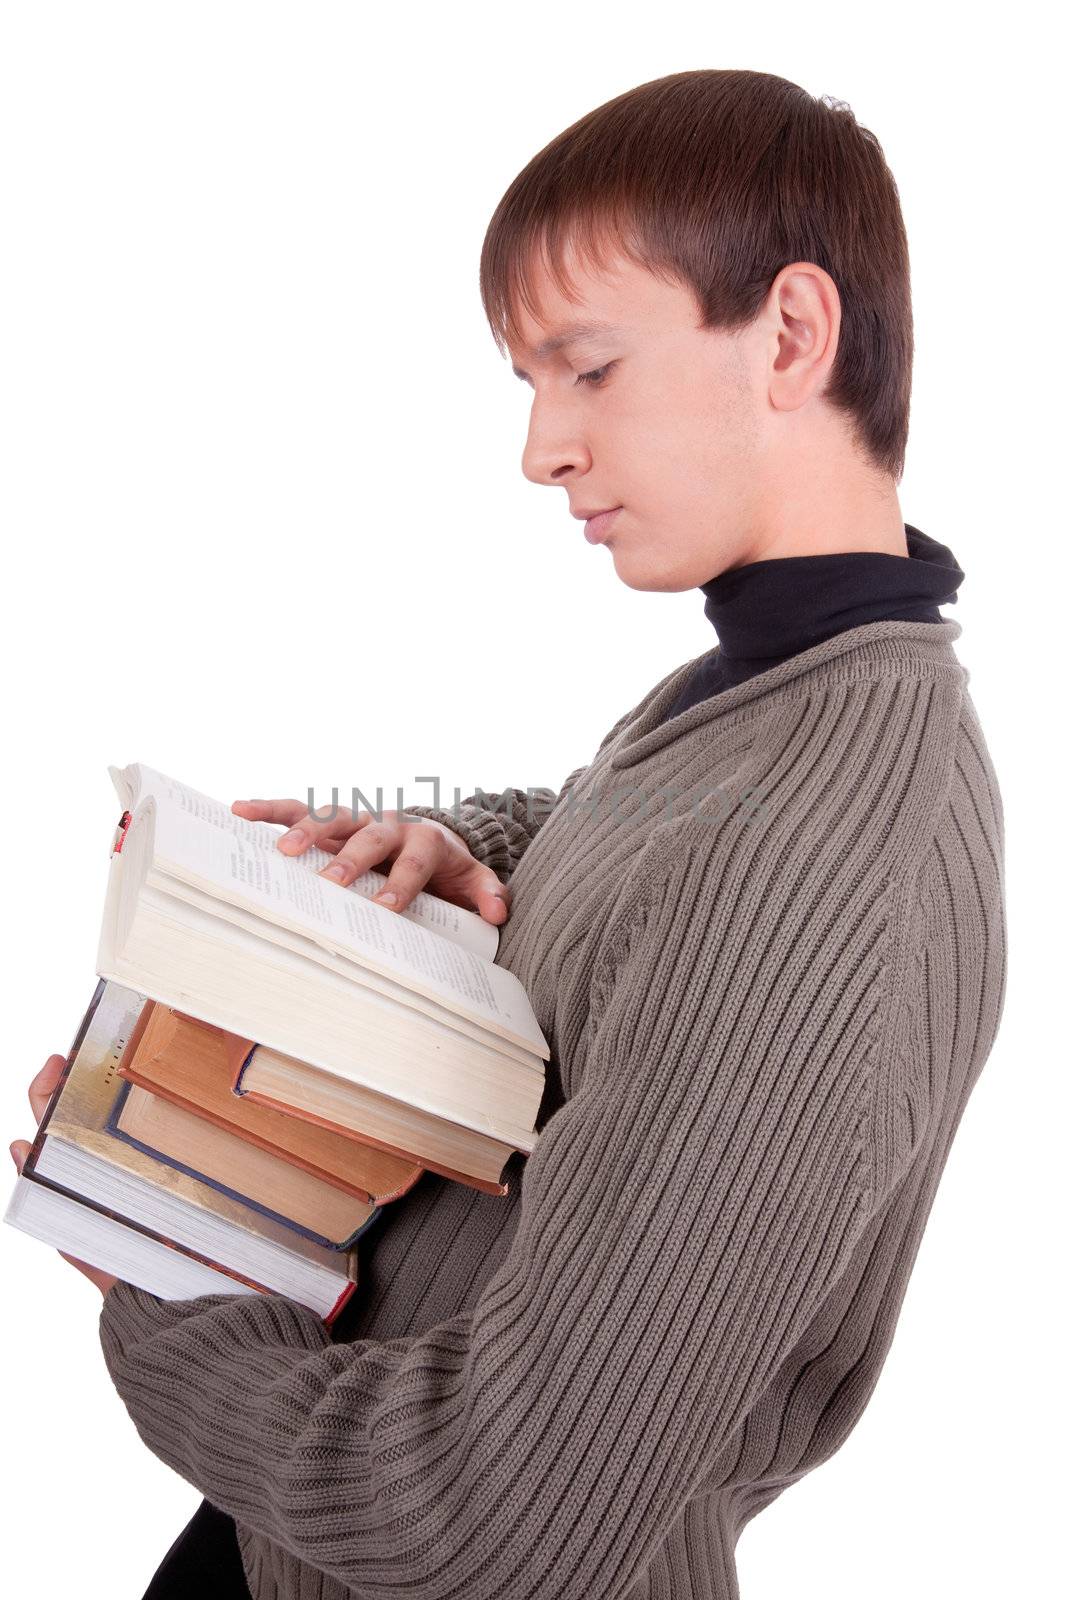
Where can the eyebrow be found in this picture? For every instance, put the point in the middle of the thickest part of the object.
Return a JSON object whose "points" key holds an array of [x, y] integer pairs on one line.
{"points": [[573, 333]]}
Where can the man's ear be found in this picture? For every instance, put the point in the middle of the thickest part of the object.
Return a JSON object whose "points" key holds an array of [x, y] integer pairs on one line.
{"points": [[806, 323]]}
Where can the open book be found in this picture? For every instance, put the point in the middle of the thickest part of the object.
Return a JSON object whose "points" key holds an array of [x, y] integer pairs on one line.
{"points": [[204, 914]]}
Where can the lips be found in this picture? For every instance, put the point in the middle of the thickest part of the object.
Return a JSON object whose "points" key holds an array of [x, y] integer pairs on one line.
{"points": [[599, 523], [587, 513]]}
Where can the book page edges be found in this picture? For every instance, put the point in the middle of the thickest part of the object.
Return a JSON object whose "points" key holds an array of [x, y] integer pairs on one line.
{"points": [[486, 1185], [152, 1086], [279, 1036], [115, 1128], [342, 1300], [526, 1032], [139, 1227], [365, 979], [236, 1052]]}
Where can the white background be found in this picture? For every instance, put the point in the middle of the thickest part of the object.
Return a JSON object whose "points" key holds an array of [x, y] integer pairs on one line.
{"points": [[266, 528]]}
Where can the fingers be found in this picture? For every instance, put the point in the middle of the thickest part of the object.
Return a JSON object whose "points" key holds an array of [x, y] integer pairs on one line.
{"points": [[359, 843], [426, 855], [326, 831], [287, 811], [417, 861], [477, 887], [43, 1086], [41, 1090]]}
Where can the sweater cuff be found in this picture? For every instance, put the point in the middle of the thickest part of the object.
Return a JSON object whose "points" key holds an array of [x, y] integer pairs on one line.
{"points": [[130, 1316], [482, 831]]}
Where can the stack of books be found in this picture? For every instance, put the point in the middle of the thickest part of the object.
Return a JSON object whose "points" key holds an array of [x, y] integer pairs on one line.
{"points": [[268, 1061]]}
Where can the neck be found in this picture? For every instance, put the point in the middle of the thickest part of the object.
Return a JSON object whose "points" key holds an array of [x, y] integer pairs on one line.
{"points": [[833, 508]]}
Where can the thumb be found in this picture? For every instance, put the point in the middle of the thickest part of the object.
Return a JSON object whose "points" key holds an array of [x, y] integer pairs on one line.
{"points": [[19, 1151], [492, 897]]}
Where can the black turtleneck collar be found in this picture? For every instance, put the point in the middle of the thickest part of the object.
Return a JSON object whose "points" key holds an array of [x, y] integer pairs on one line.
{"points": [[767, 611]]}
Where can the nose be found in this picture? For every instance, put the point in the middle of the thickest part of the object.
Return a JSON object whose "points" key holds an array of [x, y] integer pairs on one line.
{"points": [[555, 451]]}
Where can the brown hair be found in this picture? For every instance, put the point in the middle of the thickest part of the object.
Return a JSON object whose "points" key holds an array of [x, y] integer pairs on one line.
{"points": [[720, 179]]}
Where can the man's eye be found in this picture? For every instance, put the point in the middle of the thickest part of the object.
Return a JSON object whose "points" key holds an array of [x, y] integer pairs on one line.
{"points": [[596, 377]]}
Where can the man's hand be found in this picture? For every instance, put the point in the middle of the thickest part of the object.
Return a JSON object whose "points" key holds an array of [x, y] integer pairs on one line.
{"points": [[421, 853], [40, 1093]]}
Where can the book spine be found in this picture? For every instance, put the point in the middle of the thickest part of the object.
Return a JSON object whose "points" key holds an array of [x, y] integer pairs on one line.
{"points": [[121, 831], [42, 1127], [339, 1304], [241, 1070]]}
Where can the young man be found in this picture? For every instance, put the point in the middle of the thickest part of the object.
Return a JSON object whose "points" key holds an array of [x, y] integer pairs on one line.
{"points": [[763, 930]]}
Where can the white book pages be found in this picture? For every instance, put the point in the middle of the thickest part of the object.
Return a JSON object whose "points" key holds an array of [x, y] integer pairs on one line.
{"points": [[164, 843], [277, 1268], [465, 928], [365, 981], [110, 1245], [226, 975]]}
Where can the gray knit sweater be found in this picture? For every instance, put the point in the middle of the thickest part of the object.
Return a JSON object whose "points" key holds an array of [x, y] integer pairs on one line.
{"points": [[765, 940]]}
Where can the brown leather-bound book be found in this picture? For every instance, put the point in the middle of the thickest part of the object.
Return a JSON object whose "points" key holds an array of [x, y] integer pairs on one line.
{"points": [[193, 1064], [356, 1138], [258, 1178]]}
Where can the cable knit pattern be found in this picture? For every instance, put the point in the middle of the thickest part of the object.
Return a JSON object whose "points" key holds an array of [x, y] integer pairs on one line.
{"points": [[765, 940]]}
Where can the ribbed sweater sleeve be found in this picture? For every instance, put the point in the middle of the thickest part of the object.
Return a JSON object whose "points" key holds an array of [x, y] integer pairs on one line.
{"points": [[683, 1215], [498, 828]]}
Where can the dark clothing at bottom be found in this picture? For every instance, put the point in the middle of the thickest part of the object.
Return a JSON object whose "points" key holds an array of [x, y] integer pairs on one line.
{"points": [[204, 1561]]}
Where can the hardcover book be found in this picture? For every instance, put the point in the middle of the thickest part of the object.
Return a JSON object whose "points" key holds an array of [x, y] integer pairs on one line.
{"points": [[104, 1201], [395, 1029]]}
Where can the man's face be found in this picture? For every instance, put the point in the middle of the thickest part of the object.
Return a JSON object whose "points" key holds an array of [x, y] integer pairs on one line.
{"points": [[669, 426]]}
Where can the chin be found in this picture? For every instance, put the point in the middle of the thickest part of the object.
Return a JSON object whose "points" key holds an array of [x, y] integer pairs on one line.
{"points": [[641, 571]]}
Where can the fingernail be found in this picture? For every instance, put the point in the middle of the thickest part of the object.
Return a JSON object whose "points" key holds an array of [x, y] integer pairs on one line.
{"points": [[294, 836], [11, 1152], [335, 872], [386, 899]]}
